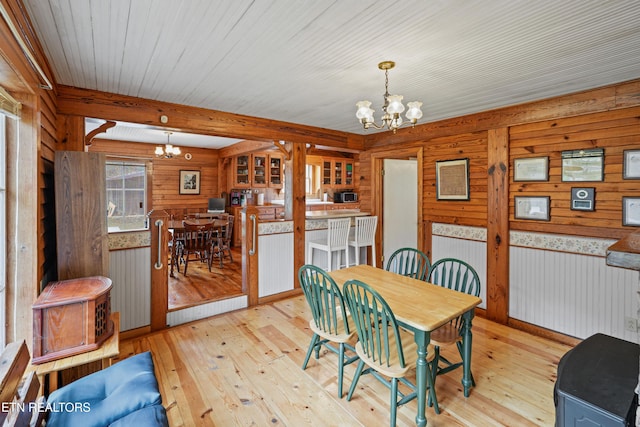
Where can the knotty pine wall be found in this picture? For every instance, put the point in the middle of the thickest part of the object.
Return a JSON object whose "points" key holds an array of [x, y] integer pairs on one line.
{"points": [[614, 131], [165, 174], [467, 145]]}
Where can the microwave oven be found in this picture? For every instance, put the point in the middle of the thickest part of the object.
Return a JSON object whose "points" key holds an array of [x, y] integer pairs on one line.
{"points": [[345, 197]]}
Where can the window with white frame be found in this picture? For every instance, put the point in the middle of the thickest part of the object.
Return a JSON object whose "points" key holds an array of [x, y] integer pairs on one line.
{"points": [[126, 195]]}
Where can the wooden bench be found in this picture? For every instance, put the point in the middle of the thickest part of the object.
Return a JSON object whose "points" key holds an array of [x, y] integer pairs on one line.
{"points": [[21, 404]]}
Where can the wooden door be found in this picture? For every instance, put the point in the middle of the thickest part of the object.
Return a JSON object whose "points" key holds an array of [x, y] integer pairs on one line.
{"points": [[81, 214]]}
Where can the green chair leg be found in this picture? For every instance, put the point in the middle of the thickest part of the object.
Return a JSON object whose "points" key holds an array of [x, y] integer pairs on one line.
{"points": [[312, 345]]}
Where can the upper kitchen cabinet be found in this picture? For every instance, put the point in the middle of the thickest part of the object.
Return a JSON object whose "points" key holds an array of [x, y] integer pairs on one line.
{"points": [[260, 170], [275, 171], [241, 175], [337, 173], [257, 170]]}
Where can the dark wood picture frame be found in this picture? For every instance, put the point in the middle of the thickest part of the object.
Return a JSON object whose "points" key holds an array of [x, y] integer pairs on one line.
{"points": [[452, 179], [189, 182]]}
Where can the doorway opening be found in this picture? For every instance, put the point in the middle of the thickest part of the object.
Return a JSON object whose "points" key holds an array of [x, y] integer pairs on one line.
{"points": [[378, 194]]}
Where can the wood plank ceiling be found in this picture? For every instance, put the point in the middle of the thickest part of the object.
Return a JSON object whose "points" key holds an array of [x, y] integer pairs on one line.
{"points": [[309, 62]]}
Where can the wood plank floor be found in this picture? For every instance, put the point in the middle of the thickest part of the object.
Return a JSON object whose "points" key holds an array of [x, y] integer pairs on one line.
{"points": [[244, 369], [201, 285]]}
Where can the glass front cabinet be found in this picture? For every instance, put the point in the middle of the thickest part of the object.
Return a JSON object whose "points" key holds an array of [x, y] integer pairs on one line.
{"points": [[258, 170], [241, 171], [276, 179], [338, 173]]}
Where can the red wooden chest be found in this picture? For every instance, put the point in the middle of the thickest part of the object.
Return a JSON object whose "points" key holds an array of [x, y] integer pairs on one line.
{"points": [[71, 317]]}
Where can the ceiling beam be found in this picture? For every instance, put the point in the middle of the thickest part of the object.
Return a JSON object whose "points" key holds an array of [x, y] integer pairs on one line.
{"points": [[109, 106]]}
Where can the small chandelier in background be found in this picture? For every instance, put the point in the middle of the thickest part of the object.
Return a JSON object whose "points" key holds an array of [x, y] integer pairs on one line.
{"points": [[169, 150], [392, 107]]}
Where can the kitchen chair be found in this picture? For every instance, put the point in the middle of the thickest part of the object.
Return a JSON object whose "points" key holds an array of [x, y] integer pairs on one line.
{"points": [[409, 262], [222, 244], [197, 241], [388, 350], [364, 234], [457, 275], [336, 241], [330, 322], [176, 247]]}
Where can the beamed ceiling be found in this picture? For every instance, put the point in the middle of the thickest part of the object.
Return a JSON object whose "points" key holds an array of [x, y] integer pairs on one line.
{"points": [[309, 62]]}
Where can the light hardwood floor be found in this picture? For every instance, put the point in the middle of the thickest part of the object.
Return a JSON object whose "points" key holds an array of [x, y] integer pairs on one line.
{"points": [[201, 285], [244, 369]]}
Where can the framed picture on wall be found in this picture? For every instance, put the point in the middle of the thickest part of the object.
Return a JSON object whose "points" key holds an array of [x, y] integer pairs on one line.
{"points": [[631, 165], [531, 169], [532, 207], [452, 179], [189, 182], [631, 211], [583, 165]]}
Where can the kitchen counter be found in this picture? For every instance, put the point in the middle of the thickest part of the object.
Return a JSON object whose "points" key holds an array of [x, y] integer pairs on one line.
{"points": [[339, 213]]}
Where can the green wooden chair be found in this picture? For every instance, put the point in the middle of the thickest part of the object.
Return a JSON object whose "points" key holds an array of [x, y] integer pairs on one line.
{"points": [[457, 275], [409, 262], [389, 351], [330, 322]]}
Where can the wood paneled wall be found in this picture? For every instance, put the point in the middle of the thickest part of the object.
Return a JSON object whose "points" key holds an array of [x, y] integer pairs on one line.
{"points": [[614, 131], [472, 146], [166, 172]]}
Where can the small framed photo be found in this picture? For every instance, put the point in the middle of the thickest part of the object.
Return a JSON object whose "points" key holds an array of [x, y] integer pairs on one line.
{"points": [[189, 182], [532, 207], [452, 179], [583, 165], [631, 211], [531, 169], [631, 165]]}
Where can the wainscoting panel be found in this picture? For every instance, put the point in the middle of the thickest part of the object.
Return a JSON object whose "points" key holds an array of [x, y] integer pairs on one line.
{"points": [[202, 311], [473, 252], [575, 294], [129, 270], [275, 264]]}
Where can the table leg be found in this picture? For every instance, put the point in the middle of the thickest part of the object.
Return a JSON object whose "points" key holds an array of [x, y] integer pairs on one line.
{"points": [[467, 340], [424, 379]]}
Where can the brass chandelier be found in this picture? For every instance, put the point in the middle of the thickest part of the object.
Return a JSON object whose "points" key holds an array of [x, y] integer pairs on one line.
{"points": [[392, 107], [168, 151]]}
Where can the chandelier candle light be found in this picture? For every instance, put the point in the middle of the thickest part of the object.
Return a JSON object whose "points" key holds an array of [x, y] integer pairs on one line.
{"points": [[392, 107], [169, 150]]}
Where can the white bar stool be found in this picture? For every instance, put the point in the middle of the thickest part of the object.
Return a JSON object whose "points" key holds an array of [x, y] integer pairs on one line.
{"points": [[336, 241], [364, 235]]}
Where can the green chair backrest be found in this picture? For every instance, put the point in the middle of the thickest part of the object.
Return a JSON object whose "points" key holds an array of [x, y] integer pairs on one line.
{"points": [[409, 262], [375, 324], [325, 299], [455, 274]]}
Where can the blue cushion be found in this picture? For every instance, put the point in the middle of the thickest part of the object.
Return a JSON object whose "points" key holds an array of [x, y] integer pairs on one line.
{"points": [[149, 416], [105, 396]]}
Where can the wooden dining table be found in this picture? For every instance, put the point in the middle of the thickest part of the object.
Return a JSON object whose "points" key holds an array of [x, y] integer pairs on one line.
{"points": [[176, 226], [421, 308]]}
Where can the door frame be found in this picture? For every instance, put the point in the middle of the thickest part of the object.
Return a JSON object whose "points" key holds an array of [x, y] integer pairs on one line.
{"points": [[377, 166]]}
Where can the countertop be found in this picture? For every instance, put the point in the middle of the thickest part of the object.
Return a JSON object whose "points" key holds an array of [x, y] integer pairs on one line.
{"points": [[338, 213]]}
